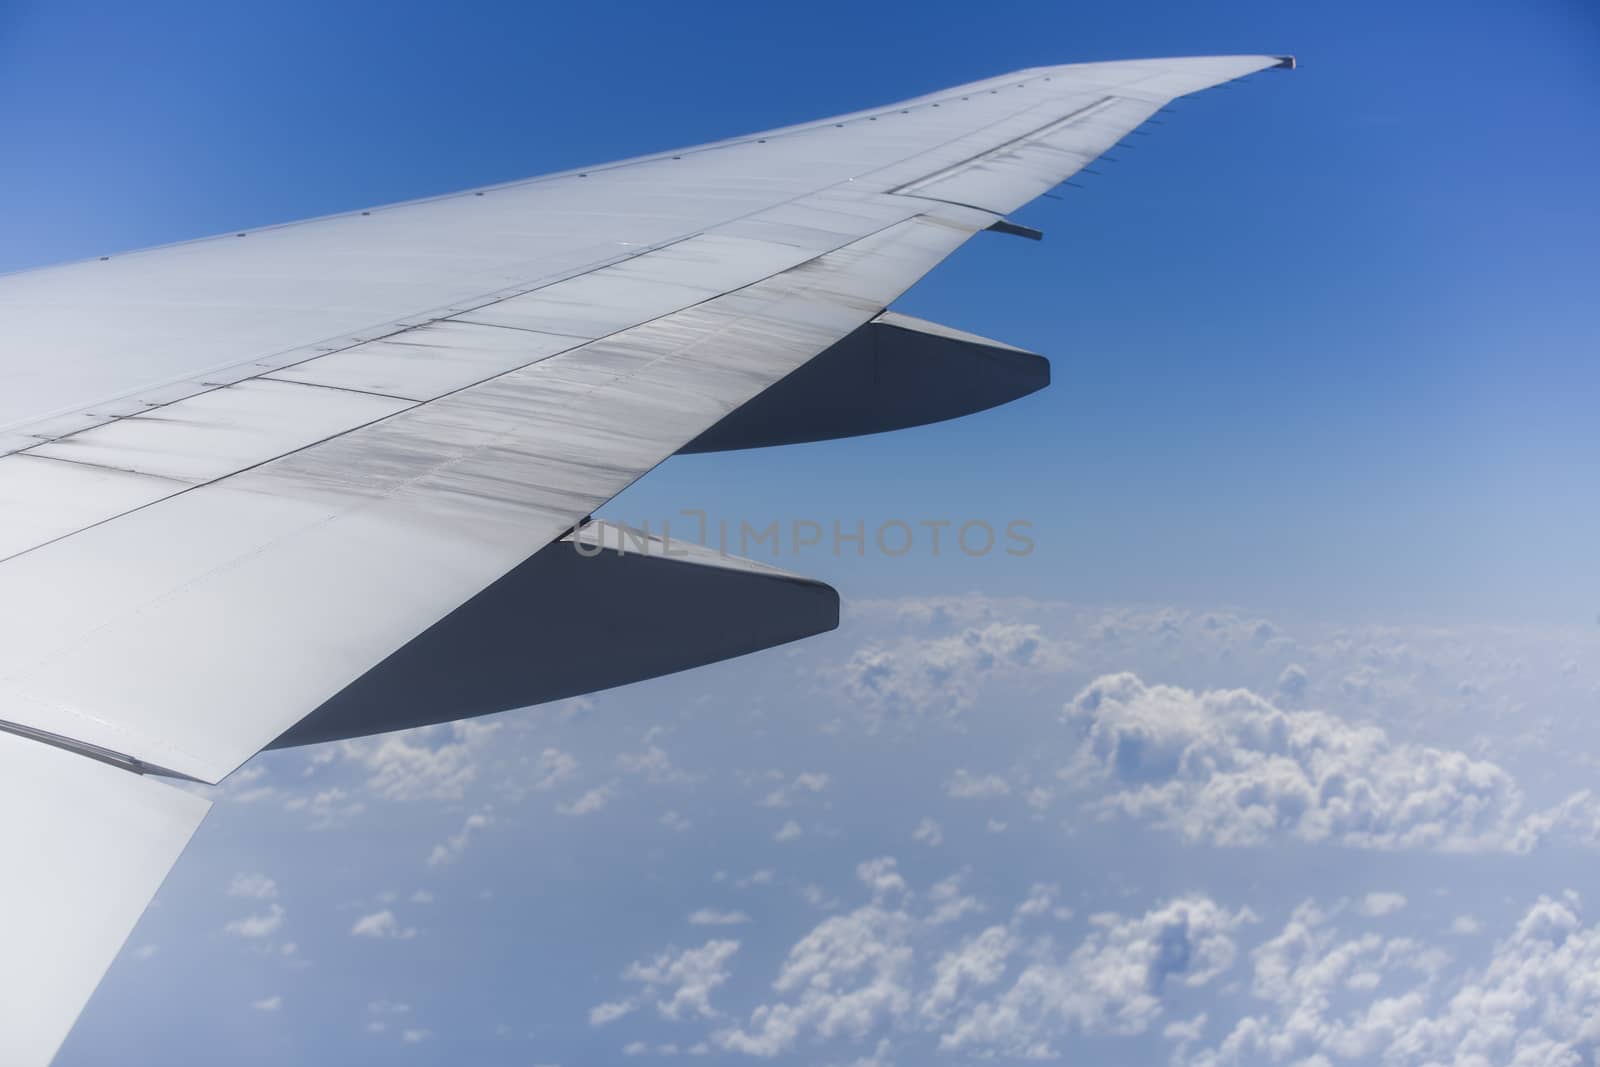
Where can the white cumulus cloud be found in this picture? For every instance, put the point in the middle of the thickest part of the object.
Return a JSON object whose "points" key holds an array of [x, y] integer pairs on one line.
{"points": [[1536, 1001], [680, 982], [714, 917], [590, 802], [1229, 768], [264, 924], [1112, 983], [1378, 904], [253, 886], [382, 924], [940, 677]]}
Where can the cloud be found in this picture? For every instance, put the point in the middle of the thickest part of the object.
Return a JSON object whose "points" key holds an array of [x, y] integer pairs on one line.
{"points": [[949, 902], [978, 963], [788, 831], [1292, 683], [818, 897], [1112, 983], [456, 844], [681, 982], [245, 786], [940, 677], [785, 795], [905, 962], [1536, 1000], [404, 766], [1229, 768], [1186, 1031], [554, 767], [759, 877], [940, 613], [1041, 900], [379, 1010], [846, 976], [655, 766], [253, 887], [713, 917], [976, 943], [594, 800], [328, 808], [964, 785], [881, 876], [1379, 904], [257, 926], [995, 993], [382, 924], [272, 1003]]}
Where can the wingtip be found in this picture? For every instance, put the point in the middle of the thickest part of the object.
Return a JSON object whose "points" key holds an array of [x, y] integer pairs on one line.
{"points": [[1286, 62]]}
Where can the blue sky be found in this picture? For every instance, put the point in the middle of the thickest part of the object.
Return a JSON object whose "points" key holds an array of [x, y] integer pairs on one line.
{"points": [[1333, 354], [1322, 431]]}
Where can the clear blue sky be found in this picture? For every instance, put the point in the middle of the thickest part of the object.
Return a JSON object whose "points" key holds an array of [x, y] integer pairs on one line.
{"points": [[1336, 352], [1335, 361]]}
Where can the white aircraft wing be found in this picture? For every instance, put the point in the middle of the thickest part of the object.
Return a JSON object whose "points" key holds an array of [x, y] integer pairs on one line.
{"points": [[240, 475]]}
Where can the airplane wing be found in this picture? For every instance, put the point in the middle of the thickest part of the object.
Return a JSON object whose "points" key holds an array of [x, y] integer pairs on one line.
{"points": [[246, 477]]}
